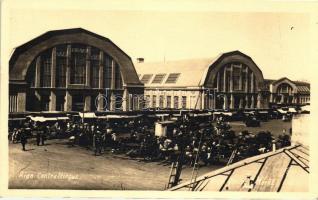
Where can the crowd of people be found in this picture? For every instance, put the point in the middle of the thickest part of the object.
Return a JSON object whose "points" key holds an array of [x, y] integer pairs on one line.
{"points": [[193, 139]]}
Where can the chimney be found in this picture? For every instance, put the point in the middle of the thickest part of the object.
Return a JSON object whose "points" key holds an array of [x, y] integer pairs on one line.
{"points": [[140, 60]]}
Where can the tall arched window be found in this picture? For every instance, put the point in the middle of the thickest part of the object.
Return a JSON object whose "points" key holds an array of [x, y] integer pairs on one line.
{"points": [[72, 61], [31, 74], [46, 60], [118, 80], [107, 70], [94, 59], [236, 78], [284, 88], [78, 64], [61, 64]]}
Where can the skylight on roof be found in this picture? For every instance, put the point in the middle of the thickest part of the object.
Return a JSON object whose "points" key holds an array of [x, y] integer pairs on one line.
{"points": [[172, 78], [158, 78], [146, 77]]}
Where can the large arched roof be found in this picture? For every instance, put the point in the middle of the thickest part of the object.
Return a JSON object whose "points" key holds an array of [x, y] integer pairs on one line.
{"points": [[195, 72], [232, 57], [298, 86], [283, 80], [25, 54]]}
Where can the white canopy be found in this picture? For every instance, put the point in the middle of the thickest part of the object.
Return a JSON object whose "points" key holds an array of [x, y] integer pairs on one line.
{"points": [[167, 122], [202, 114], [305, 108], [44, 119], [162, 115], [281, 111], [87, 115], [223, 113], [292, 110], [118, 116], [63, 118], [37, 119], [249, 112]]}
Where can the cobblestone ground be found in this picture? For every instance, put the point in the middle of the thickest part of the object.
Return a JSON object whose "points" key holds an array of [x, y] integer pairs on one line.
{"points": [[58, 166]]}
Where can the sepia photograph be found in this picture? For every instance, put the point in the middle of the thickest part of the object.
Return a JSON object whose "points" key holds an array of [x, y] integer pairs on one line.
{"points": [[154, 98]]}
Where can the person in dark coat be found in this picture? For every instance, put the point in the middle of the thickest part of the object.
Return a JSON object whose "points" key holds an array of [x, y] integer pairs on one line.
{"points": [[23, 138], [98, 143], [43, 134], [38, 136]]}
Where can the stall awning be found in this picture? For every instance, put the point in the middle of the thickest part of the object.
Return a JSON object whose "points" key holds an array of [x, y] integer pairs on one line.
{"points": [[119, 116], [305, 108], [87, 115], [223, 113], [109, 117], [202, 114], [162, 115], [174, 118], [63, 118], [42, 119], [292, 110], [167, 122], [281, 111]]}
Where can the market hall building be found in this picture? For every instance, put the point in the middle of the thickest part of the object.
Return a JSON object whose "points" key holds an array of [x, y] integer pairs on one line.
{"points": [[69, 70], [285, 92], [230, 81]]}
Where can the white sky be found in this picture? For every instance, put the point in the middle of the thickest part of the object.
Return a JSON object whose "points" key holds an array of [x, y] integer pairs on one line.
{"points": [[279, 42]]}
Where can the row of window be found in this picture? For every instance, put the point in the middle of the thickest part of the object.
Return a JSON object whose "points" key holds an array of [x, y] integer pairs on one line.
{"points": [[168, 102], [78, 61], [172, 78], [284, 88], [305, 99], [13, 103], [78, 103], [289, 99], [241, 78]]}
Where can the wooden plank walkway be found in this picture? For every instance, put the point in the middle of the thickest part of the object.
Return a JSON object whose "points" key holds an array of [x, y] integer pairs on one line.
{"points": [[272, 173]]}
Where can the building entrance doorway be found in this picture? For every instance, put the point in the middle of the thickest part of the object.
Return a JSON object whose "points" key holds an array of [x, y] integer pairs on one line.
{"points": [[78, 103], [219, 102], [237, 102]]}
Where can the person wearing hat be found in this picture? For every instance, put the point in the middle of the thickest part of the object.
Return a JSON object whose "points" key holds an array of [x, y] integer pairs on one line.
{"points": [[114, 141], [44, 130], [98, 143], [14, 135], [23, 138], [38, 136], [176, 132], [189, 155]]}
